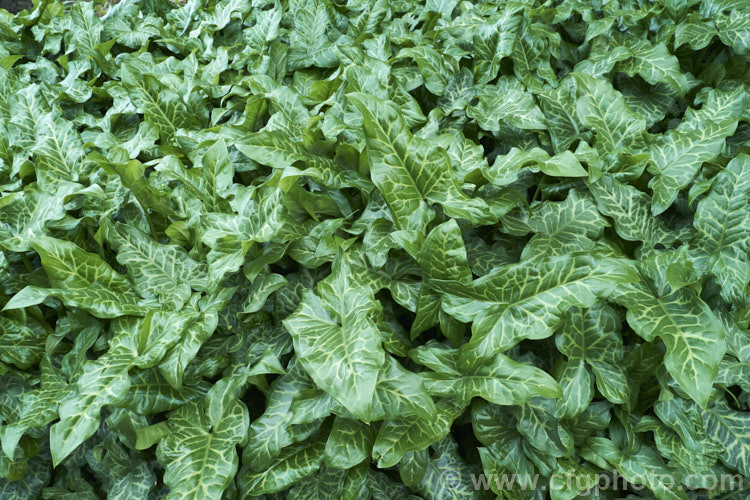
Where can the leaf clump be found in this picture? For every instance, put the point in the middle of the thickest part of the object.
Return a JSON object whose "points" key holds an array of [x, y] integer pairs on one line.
{"points": [[349, 249]]}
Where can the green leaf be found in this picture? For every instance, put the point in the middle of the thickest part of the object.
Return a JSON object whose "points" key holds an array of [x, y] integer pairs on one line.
{"points": [[271, 432], [159, 332], [349, 443], [564, 227], [644, 466], [493, 33], [82, 279], [506, 169], [397, 437], [600, 107], [559, 108], [230, 236], [400, 393], [328, 482], [160, 106], [693, 335], [563, 165], [526, 300], [217, 174], [729, 430], [654, 63], [630, 211], [722, 240], [19, 344], [101, 383], [127, 476], [310, 41], [410, 172], [440, 471], [38, 407], [695, 32], [734, 30], [24, 108], [337, 341], [698, 139], [432, 66], [500, 381], [577, 388], [506, 103], [33, 481], [132, 175], [24, 217], [296, 462], [175, 362], [163, 270], [442, 256], [199, 455], [592, 336], [59, 150], [545, 433], [280, 150]]}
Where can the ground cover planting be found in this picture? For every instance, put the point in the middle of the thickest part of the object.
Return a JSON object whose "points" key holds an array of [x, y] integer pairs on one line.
{"points": [[378, 249]]}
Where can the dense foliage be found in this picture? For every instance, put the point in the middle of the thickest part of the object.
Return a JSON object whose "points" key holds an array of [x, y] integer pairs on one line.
{"points": [[366, 249]]}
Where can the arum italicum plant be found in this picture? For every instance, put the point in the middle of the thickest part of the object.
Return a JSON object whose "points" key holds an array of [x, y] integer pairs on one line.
{"points": [[375, 249]]}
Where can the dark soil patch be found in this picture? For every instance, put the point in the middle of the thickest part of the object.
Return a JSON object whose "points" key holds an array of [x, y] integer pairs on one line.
{"points": [[15, 6]]}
